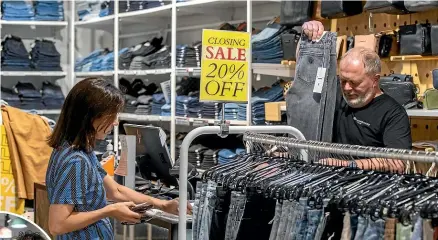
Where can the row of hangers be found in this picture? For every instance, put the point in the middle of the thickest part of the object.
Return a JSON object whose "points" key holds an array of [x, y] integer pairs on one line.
{"points": [[376, 193]]}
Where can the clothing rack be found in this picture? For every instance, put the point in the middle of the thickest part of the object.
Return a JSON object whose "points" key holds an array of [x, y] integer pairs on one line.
{"points": [[184, 154], [343, 149]]}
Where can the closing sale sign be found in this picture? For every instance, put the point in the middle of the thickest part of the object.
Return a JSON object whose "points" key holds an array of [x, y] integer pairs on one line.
{"points": [[224, 67]]}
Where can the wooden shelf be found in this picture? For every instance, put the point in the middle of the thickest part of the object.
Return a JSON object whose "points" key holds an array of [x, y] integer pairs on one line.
{"points": [[413, 58]]}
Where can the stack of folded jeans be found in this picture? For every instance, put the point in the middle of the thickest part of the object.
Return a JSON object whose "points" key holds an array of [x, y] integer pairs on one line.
{"points": [[17, 10], [14, 55], [49, 10], [133, 57], [258, 100], [11, 97], [130, 104], [157, 60], [52, 96], [225, 156], [144, 104], [188, 106], [210, 110], [30, 97], [166, 110], [45, 57], [209, 159], [231, 112], [158, 101], [189, 56], [196, 153], [105, 9], [98, 60], [91, 9], [84, 64], [266, 45]]}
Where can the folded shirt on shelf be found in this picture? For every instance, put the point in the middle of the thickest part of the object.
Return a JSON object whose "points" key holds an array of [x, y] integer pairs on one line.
{"points": [[146, 55]]}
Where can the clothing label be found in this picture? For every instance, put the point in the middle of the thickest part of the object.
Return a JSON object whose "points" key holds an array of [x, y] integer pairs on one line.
{"points": [[165, 86], [319, 81], [200, 123], [182, 121]]}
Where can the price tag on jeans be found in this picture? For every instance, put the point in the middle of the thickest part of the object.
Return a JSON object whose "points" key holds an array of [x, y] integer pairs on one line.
{"points": [[200, 122], [319, 81], [182, 121]]}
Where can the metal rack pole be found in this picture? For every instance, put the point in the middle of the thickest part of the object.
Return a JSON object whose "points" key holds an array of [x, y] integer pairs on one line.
{"points": [[216, 130], [344, 149]]}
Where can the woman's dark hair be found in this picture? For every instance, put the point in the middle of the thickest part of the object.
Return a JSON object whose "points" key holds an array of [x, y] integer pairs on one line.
{"points": [[88, 100], [28, 235]]}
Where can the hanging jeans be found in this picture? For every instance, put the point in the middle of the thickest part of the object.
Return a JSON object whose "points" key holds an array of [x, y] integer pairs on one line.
{"points": [[207, 213], [313, 113], [235, 214]]}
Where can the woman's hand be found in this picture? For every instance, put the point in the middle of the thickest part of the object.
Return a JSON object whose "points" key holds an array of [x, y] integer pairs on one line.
{"points": [[171, 206], [313, 29], [122, 212]]}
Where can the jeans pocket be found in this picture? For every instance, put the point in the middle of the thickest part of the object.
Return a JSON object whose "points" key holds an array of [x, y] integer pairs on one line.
{"points": [[307, 68]]}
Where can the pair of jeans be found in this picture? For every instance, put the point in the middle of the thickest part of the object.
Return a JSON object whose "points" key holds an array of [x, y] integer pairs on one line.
{"points": [[375, 230], [321, 226], [346, 230], [256, 217], [218, 224], [276, 221], [45, 56], [286, 210], [361, 228], [298, 231], [235, 214], [313, 113], [313, 216], [418, 228], [266, 34], [52, 96], [390, 225], [10, 97], [14, 54], [17, 10], [207, 212], [196, 210], [403, 232], [49, 11]]}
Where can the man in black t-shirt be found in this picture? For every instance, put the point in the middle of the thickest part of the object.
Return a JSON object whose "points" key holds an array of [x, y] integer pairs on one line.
{"points": [[364, 114]]}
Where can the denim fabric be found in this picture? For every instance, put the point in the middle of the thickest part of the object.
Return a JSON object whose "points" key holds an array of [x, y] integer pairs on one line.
{"points": [[266, 34], [14, 56], [207, 213], [276, 223], [375, 230], [237, 208], [390, 225], [221, 210], [45, 57], [99, 60], [361, 227], [427, 229], [291, 218], [10, 97], [189, 56], [404, 232], [18, 11], [417, 234], [309, 112], [353, 225], [313, 216], [301, 223], [202, 196], [49, 11], [52, 96], [346, 230], [91, 9], [321, 225], [195, 211], [285, 212]]}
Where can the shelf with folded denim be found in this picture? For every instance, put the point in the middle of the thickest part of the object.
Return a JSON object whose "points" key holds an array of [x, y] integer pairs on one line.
{"points": [[154, 9], [34, 23], [49, 10], [150, 54], [24, 95], [33, 73], [100, 60], [94, 9], [17, 10], [266, 45], [189, 55]]}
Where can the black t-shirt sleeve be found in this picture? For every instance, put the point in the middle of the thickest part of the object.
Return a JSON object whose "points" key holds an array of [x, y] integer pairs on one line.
{"points": [[397, 130]]}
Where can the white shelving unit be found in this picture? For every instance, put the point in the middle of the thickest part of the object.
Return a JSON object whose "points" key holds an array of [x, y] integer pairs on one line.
{"points": [[178, 23]]}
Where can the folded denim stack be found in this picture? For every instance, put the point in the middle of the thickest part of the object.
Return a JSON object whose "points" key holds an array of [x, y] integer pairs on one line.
{"points": [[155, 3], [17, 10], [52, 96], [209, 159], [14, 55], [44, 56], [129, 5], [30, 97], [166, 110], [188, 106], [98, 60], [266, 45], [49, 10], [133, 57], [157, 60], [130, 104], [105, 9], [84, 64], [231, 112], [189, 56], [210, 110], [258, 100], [11, 97], [225, 156], [158, 101], [144, 104], [196, 154]]}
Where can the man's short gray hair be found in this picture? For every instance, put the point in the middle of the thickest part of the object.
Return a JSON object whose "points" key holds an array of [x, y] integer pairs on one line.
{"points": [[369, 58]]}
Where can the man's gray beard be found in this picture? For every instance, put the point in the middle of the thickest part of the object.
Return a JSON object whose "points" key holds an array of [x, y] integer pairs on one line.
{"points": [[358, 102]]}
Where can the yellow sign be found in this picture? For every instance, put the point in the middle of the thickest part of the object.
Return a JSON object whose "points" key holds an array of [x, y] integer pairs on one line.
{"points": [[224, 66], [9, 200]]}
